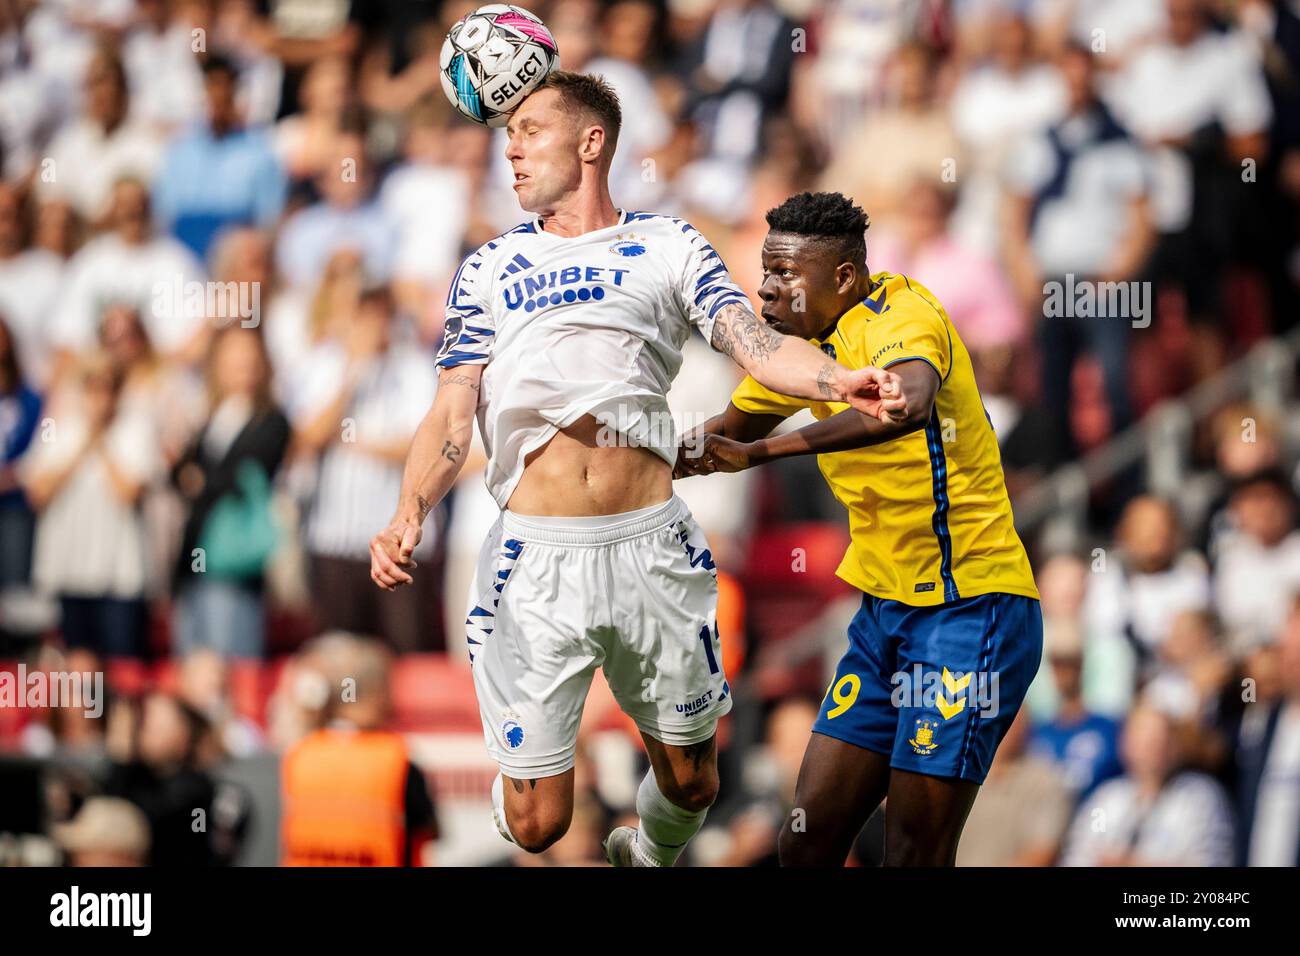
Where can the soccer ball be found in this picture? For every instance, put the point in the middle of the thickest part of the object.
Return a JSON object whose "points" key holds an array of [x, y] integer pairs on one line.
{"points": [[493, 58]]}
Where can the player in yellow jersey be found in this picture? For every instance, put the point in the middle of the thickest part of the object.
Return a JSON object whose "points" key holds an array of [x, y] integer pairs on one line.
{"points": [[949, 634]]}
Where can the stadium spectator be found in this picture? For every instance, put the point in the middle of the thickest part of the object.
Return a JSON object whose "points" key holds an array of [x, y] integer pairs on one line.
{"points": [[161, 67], [971, 286], [1084, 746], [130, 266], [351, 761], [1156, 814], [998, 832], [346, 217], [1109, 660], [1257, 563], [304, 141], [92, 153], [20, 409], [1078, 218], [739, 74], [224, 477], [1147, 580], [628, 29], [1245, 441], [29, 284], [1268, 764], [426, 187], [357, 412], [400, 65], [1197, 96], [997, 104], [84, 479], [204, 684], [156, 747], [220, 174], [107, 831], [1192, 670], [299, 319], [910, 138]]}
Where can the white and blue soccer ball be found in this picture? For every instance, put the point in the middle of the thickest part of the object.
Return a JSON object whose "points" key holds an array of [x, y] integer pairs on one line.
{"points": [[493, 58]]}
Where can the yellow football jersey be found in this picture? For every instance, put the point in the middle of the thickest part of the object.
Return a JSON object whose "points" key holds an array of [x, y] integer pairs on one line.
{"points": [[928, 512]]}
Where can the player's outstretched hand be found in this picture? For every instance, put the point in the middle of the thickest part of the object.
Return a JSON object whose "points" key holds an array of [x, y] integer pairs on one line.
{"points": [[716, 454], [877, 393], [390, 553]]}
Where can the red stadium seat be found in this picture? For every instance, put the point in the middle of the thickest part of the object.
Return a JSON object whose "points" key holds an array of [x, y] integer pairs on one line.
{"points": [[429, 692], [789, 581]]}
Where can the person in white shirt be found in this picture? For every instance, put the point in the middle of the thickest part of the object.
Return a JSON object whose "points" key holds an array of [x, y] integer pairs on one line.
{"points": [[29, 285], [96, 150], [1257, 560], [357, 409], [563, 335], [1147, 581], [85, 478], [1155, 815], [131, 266]]}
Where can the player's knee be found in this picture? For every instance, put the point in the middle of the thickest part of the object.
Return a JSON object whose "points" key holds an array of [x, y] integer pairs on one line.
{"points": [[906, 846], [799, 845], [538, 831], [792, 849], [695, 793]]}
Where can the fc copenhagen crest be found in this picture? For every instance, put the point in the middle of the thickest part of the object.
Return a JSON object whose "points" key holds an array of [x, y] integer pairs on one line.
{"points": [[512, 731], [627, 244]]}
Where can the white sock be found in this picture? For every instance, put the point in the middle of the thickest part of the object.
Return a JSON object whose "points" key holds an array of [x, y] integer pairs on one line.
{"points": [[665, 827], [499, 809]]}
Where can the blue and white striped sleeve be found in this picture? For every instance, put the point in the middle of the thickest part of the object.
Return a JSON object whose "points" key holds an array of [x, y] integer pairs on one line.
{"points": [[469, 331], [706, 285]]}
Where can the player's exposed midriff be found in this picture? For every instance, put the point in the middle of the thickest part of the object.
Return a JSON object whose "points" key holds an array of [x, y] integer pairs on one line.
{"points": [[575, 475]]}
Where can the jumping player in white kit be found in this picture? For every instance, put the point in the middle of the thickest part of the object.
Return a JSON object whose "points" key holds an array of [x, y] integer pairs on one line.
{"points": [[563, 336]]}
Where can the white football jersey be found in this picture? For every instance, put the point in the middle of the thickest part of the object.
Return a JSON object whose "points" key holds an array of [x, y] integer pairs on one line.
{"points": [[582, 325]]}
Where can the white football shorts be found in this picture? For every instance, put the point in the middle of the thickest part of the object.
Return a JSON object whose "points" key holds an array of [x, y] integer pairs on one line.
{"points": [[555, 598]]}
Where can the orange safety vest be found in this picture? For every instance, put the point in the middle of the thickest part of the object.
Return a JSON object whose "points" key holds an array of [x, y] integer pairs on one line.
{"points": [[344, 799]]}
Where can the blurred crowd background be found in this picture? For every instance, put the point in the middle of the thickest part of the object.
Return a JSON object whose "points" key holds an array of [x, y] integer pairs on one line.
{"points": [[187, 493]]}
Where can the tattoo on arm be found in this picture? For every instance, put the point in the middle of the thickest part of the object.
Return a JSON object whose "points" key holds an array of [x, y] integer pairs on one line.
{"points": [[739, 332], [424, 505], [459, 378], [824, 380], [451, 451]]}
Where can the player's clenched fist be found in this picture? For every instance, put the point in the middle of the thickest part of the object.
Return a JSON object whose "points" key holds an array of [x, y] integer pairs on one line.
{"points": [[390, 553], [877, 393]]}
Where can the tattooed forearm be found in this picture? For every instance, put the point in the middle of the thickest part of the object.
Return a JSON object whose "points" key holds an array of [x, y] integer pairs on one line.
{"points": [[451, 451], [740, 334], [459, 378], [824, 378]]}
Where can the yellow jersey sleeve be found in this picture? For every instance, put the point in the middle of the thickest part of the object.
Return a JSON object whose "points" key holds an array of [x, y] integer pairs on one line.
{"points": [[913, 329], [755, 399]]}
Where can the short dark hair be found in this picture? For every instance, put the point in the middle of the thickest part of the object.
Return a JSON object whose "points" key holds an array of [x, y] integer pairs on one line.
{"points": [[592, 95], [218, 63], [830, 216]]}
